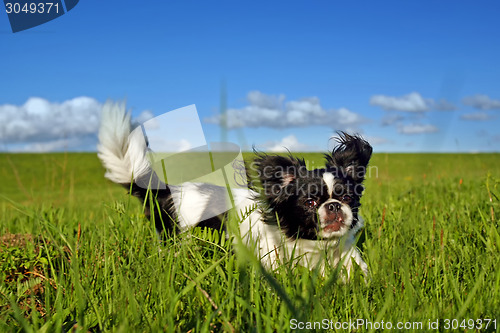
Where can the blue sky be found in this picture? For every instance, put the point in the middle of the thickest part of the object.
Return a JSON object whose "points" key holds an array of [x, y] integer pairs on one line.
{"points": [[410, 76]]}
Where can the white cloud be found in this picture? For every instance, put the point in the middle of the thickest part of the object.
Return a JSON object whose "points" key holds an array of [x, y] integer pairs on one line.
{"points": [[39, 120], [289, 142], [476, 116], [442, 105], [412, 102], [170, 145], [268, 111], [265, 101], [42, 147], [76, 144], [391, 119], [40, 125], [417, 129], [482, 102], [377, 140], [346, 117], [144, 116]]}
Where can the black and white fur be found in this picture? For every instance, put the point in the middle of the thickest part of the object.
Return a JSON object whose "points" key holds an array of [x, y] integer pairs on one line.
{"points": [[308, 214]]}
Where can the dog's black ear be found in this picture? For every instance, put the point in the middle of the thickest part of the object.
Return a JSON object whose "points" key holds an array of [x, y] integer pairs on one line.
{"points": [[276, 173], [350, 157]]}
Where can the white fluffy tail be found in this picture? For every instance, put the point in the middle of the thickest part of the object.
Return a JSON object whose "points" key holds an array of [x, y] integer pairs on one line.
{"points": [[121, 149]]}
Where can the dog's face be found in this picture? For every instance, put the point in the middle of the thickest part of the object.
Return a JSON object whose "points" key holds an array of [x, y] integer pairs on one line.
{"points": [[321, 203]]}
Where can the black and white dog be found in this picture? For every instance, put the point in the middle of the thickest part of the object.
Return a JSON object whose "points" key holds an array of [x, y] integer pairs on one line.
{"points": [[310, 216]]}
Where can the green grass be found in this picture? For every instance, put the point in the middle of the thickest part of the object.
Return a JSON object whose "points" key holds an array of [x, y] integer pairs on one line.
{"points": [[90, 261]]}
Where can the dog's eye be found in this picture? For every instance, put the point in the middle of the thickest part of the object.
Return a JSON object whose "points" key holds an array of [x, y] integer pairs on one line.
{"points": [[311, 203], [347, 199]]}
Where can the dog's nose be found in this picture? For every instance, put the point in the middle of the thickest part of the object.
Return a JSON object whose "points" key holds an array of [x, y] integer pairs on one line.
{"points": [[334, 207]]}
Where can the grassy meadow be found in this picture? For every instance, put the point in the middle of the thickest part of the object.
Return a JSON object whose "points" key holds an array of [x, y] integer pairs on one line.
{"points": [[76, 254]]}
